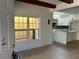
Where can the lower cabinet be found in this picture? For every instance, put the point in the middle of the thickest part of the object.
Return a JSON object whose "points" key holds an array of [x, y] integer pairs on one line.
{"points": [[71, 36]]}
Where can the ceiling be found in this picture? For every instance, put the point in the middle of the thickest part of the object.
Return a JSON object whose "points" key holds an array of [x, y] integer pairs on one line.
{"points": [[52, 1], [74, 10], [46, 3]]}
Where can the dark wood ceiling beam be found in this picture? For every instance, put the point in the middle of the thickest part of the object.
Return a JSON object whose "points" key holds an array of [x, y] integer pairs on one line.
{"points": [[67, 1], [39, 3]]}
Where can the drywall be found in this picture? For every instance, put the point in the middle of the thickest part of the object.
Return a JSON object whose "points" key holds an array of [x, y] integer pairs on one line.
{"points": [[6, 14], [45, 35], [76, 16]]}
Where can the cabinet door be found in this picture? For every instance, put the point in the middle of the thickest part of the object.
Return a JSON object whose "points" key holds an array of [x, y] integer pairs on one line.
{"points": [[75, 25], [71, 36]]}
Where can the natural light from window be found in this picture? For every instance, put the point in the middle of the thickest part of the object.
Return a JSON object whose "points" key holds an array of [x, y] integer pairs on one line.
{"points": [[26, 27]]}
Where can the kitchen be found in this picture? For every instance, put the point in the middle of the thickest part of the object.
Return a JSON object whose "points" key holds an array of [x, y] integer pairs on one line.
{"points": [[65, 27]]}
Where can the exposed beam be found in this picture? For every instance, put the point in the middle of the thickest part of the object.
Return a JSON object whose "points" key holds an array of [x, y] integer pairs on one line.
{"points": [[67, 1], [39, 3]]}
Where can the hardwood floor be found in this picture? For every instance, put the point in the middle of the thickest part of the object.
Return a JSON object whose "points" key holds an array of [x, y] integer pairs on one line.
{"points": [[53, 52]]}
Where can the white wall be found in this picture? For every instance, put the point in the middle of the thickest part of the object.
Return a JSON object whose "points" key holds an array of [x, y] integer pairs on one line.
{"points": [[45, 36], [76, 16], [6, 14]]}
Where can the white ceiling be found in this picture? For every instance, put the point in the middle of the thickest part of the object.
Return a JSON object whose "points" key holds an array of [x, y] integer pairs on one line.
{"points": [[52, 1], [74, 10]]}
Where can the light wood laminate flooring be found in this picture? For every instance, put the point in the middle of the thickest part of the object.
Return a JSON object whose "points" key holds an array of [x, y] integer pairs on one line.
{"points": [[71, 51]]}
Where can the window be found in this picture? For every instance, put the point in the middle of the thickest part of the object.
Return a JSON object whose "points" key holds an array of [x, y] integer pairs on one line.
{"points": [[26, 27]]}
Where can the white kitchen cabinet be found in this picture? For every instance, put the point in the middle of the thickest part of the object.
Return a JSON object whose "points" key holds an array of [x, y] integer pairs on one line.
{"points": [[71, 36], [60, 36]]}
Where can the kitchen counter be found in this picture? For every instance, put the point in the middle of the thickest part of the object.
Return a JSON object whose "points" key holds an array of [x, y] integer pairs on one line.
{"points": [[64, 36], [74, 31]]}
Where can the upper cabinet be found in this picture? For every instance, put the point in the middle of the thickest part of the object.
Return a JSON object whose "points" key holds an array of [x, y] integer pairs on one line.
{"points": [[63, 18]]}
